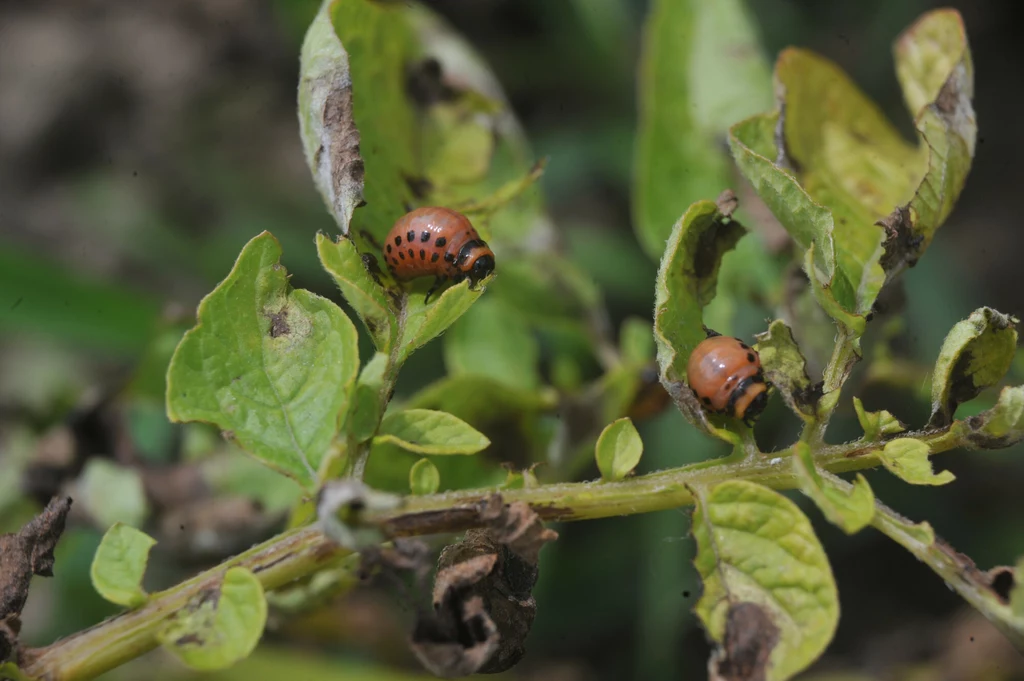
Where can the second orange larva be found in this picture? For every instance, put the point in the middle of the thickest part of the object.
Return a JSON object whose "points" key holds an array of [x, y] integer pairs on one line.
{"points": [[726, 376], [437, 242]]}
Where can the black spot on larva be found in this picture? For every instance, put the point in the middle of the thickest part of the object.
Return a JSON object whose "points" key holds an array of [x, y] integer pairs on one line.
{"points": [[744, 345], [706, 400], [434, 257], [750, 357], [423, 254], [441, 241], [448, 257], [389, 248], [394, 260], [425, 237], [411, 236], [398, 240], [412, 253], [401, 255]]}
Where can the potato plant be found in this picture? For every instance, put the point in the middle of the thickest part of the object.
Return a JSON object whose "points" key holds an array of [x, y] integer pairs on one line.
{"points": [[394, 112]]}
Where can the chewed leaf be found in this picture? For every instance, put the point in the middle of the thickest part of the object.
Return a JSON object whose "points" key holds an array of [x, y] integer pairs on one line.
{"points": [[976, 354], [876, 424], [786, 369], [424, 478], [1003, 424], [907, 458], [329, 134], [618, 450], [935, 70], [427, 432], [273, 365], [220, 625], [425, 321], [850, 510], [119, 565], [702, 69], [765, 577], [367, 297], [686, 282]]}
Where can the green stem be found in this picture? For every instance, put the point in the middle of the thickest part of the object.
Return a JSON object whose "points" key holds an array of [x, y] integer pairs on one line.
{"points": [[302, 552], [836, 372]]}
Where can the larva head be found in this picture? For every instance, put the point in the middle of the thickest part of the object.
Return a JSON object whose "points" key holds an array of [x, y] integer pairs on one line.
{"points": [[475, 261]]}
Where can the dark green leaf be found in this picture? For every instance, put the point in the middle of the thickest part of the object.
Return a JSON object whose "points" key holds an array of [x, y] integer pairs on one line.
{"points": [[976, 354], [120, 563], [701, 70], [273, 365]]}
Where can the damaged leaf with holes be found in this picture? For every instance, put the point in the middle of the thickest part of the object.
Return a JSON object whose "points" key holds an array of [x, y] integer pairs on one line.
{"points": [[786, 369], [271, 365], [220, 625], [850, 510], [976, 354], [908, 459], [770, 601]]}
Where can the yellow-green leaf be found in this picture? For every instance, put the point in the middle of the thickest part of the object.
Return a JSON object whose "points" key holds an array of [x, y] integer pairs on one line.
{"points": [[760, 561], [850, 510], [220, 625], [618, 450], [786, 369], [425, 321], [1003, 424], [272, 365], [976, 354], [120, 564], [427, 432], [424, 478], [876, 424], [907, 458]]}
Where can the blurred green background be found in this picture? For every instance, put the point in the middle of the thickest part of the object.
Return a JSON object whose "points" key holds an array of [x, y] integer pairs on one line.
{"points": [[143, 144]]}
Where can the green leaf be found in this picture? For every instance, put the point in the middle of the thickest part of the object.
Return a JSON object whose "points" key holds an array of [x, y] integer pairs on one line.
{"points": [[492, 339], [1003, 424], [702, 69], [111, 494], [366, 296], [119, 565], [976, 354], [907, 458], [810, 224], [424, 478], [762, 565], [636, 341], [9, 670], [876, 424], [786, 369], [427, 432], [220, 625], [686, 282], [273, 365], [366, 400], [423, 323], [850, 510], [618, 450]]}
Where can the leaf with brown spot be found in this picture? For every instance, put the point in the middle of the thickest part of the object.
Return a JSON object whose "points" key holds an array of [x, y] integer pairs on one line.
{"points": [[750, 637], [24, 554]]}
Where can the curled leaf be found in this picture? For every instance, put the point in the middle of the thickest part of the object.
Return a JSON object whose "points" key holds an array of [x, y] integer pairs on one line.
{"points": [[220, 625], [850, 510], [976, 354], [907, 459], [271, 365], [686, 282], [120, 563], [24, 554], [483, 602], [1002, 425], [786, 369], [618, 450], [757, 551], [876, 424]]}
